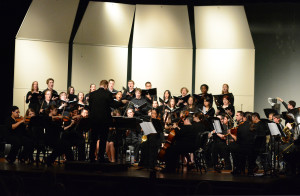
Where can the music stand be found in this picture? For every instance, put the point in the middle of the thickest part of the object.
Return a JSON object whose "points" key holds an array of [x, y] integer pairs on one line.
{"points": [[276, 132], [122, 124], [217, 125]]}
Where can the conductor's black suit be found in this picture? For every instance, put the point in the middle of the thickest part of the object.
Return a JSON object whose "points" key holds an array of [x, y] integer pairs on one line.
{"points": [[100, 102]]}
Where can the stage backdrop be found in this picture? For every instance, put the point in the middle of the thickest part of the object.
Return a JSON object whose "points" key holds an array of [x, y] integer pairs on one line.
{"points": [[100, 48], [42, 47], [225, 53], [162, 48]]}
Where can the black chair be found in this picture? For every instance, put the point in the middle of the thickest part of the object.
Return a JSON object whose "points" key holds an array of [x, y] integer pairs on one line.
{"points": [[199, 153], [260, 149]]}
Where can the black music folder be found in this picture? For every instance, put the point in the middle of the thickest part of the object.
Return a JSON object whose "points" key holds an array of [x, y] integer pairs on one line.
{"points": [[161, 100], [219, 98], [124, 123], [268, 111], [151, 92], [185, 98]]}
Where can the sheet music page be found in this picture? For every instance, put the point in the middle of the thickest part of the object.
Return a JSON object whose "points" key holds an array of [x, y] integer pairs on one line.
{"points": [[148, 128], [217, 126], [274, 129]]}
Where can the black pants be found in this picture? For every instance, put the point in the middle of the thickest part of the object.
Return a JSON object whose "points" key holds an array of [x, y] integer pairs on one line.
{"points": [[75, 138], [233, 148], [134, 138], [173, 152], [246, 154], [99, 131], [17, 141], [220, 150]]}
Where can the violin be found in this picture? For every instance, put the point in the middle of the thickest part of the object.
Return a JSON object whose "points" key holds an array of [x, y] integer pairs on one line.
{"points": [[233, 130], [21, 118], [170, 139]]}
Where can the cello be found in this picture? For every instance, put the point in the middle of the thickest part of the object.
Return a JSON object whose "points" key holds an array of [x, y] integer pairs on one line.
{"points": [[170, 139]]}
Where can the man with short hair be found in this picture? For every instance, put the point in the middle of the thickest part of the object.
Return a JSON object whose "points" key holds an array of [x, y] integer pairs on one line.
{"points": [[129, 92], [100, 102], [50, 85]]}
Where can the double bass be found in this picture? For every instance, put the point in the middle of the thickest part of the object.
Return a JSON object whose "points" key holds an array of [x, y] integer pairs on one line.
{"points": [[170, 139]]}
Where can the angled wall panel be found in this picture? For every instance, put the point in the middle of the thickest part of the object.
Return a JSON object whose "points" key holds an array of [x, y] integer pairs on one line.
{"points": [[106, 24], [49, 20], [162, 48], [100, 47], [162, 26], [166, 69], [91, 64]]}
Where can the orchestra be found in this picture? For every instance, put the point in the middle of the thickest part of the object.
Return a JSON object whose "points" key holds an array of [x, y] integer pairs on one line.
{"points": [[61, 122]]}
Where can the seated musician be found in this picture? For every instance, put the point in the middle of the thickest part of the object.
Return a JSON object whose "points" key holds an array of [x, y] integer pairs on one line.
{"points": [[137, 102], [17, 137], [220, 153], [134, 137], [245, 141], [231, 141], [207, 108], [71, 94], [92, 89], [47, 102], [129, 93], [50, 85], [185, 142], [226, 108], [150, 147]]}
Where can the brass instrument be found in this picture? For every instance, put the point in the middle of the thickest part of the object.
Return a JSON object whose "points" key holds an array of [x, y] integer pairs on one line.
{"points": [[287, 133]]}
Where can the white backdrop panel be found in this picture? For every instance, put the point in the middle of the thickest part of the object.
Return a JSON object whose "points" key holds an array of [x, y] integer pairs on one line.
{"points": [[162, 26], [222, 27], [91, 64], [37, 61], [232, 66], [166, 69], [106, 24], [50, 20]]}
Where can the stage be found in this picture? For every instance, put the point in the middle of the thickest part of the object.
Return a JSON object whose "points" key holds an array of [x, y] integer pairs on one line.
{"points": [[33, 180]]}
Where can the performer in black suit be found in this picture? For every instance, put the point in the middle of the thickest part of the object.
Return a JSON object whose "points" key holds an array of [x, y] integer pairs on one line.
{"points": [[100, 102]]}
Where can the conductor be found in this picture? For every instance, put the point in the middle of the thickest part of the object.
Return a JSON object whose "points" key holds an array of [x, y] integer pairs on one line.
{"points": [[100, 102]]}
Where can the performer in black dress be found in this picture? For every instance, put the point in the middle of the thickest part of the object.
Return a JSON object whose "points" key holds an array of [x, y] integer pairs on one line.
{"points": [[34, 96]]}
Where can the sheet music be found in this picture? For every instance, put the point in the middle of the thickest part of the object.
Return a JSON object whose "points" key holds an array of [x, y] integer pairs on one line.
{"points": [[217, 126], [148, 128], [274, 129]]}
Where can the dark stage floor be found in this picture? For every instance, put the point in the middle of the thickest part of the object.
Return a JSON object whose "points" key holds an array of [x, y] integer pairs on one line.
{"points": [[116, 180]]}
